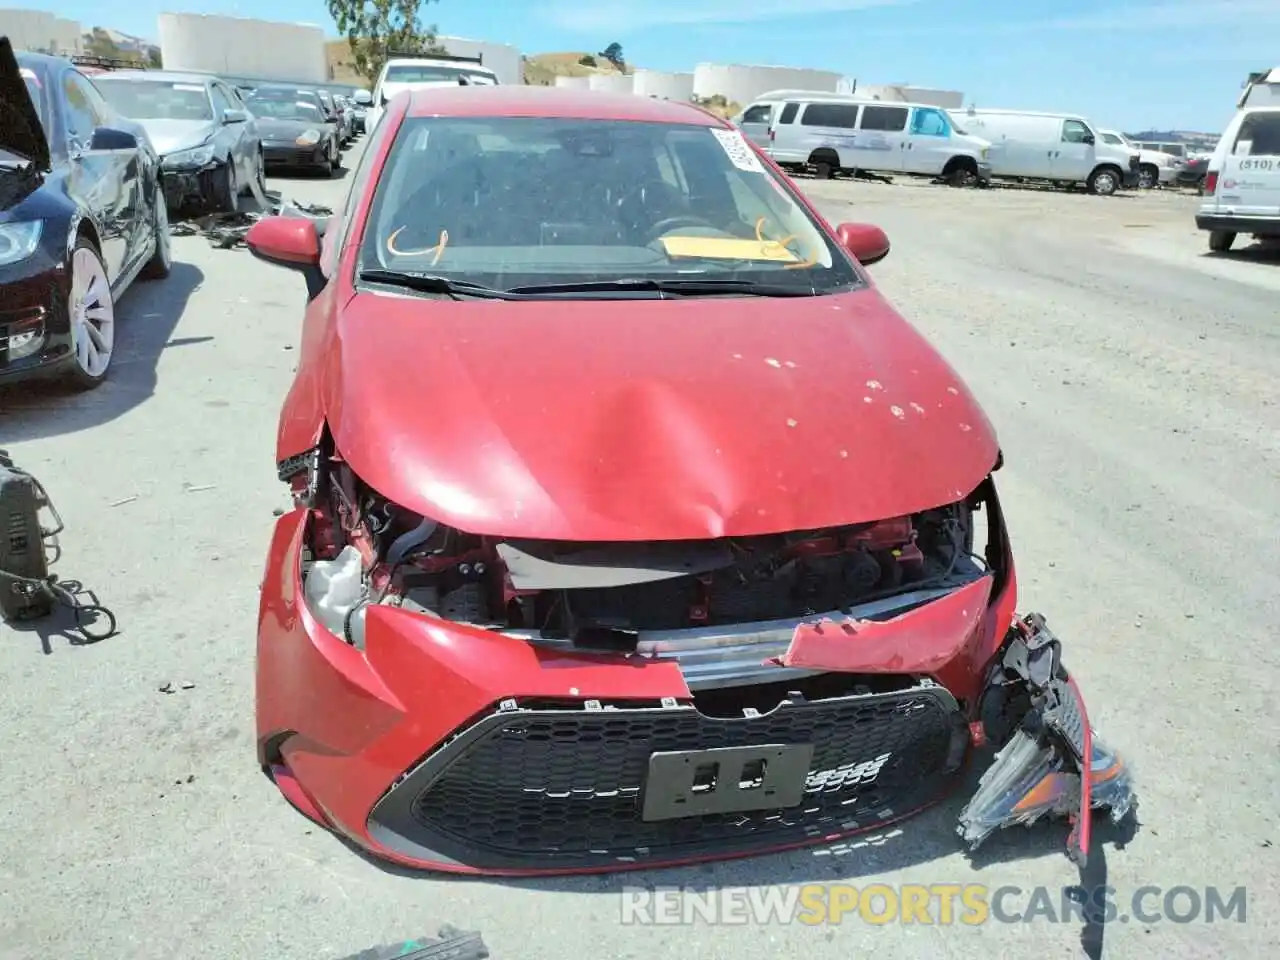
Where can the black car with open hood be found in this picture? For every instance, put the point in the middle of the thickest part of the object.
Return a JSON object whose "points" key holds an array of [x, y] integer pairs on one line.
{"points": [[81, 216]]}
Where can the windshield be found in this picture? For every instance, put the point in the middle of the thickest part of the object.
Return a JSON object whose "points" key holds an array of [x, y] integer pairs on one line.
{"points": [[421, 73], [283, 105], [513, 202], [1114, 138], [155, 99]]}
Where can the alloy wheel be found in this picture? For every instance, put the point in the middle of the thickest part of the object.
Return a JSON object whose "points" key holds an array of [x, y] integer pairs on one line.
{"points": [[93, 317]]}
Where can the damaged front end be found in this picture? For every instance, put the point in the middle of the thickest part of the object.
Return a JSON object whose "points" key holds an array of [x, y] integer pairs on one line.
{"points": [[1052, 763], [600, 705], [190, 177]]}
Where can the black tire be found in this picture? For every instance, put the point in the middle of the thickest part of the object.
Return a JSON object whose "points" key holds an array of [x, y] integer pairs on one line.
{"points": [[260, 174], [335, 157], [1148, 176], [1220, 241], [961, 172], [77, 377], [1105, 181], [823, 170], [226, 188], [158, 267]]}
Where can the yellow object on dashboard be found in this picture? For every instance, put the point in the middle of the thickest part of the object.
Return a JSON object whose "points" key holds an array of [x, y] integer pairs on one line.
{"points": [[728, 248]]}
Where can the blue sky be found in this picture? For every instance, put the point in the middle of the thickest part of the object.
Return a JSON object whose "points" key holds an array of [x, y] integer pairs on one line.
{"points": [[1129, 63]]}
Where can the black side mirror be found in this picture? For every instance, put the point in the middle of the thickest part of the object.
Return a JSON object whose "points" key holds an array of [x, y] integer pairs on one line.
{"points": [[109, 138], [1089, 139]]}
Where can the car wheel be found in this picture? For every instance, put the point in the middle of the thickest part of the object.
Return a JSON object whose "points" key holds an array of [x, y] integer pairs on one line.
{"points": [[1103, 182], [823, 171], [93, 317], [335, 158], [1148, 177], [227, 189], [1220, 241], [157, 268]]}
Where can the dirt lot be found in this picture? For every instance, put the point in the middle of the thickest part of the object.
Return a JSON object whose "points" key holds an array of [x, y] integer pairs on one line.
{"points": [[1135, 384]]}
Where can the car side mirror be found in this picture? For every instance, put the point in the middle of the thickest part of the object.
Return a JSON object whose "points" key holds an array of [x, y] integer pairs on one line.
{"points": [[290, 242], [234, 116], [1089, 139], [110, 138], [868, 243]]}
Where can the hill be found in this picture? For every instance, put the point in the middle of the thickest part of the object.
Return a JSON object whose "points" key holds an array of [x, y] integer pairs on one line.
{"points": [[541, 69]]}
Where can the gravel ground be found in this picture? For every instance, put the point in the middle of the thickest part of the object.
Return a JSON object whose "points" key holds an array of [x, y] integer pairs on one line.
{"points": [[1135, 382]]}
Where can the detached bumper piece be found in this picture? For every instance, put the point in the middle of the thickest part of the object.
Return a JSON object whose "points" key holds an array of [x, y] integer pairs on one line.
{"points": [[1053, 763], [538, 786]]}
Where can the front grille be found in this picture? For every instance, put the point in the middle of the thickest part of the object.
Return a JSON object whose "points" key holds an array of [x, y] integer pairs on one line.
{"points": [[291, 155], [565, 786]]}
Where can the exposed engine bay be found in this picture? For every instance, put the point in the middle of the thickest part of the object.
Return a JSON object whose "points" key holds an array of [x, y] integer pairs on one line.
{"points": [[609, 596]]}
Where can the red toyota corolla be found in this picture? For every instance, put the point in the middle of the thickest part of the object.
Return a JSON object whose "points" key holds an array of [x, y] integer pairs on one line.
{"points": [[632, 525]]}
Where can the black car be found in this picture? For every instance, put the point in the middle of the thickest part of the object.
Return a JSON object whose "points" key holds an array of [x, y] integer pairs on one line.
{"points": [[82, 214], [295, 128]]}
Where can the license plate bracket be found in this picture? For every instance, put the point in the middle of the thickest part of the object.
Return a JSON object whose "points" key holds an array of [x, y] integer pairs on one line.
{"points": [[691, 783]]}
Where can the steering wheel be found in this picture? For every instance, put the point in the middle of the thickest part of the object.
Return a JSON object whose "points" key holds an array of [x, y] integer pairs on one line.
{"points": [[680, 220]]}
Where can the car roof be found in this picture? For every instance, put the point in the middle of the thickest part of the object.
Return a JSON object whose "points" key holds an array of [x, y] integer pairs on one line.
{"points": [[552, 102], [163, 76]]}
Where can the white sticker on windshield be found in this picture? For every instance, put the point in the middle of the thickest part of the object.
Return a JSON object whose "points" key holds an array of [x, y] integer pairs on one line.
{"points": [[739, 152], [192, 87]]}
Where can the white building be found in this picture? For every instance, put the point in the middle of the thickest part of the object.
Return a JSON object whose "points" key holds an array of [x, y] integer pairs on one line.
{"points": [[503, 59], [611, 82], [741, 84], [41, 32], [573, 83], [904, 93], [243, 47], [664, 86]]}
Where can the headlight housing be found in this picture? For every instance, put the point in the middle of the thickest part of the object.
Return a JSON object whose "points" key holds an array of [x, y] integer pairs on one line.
{"points": [[986, 153], [191, 157], [308, 138], [19, 240]]}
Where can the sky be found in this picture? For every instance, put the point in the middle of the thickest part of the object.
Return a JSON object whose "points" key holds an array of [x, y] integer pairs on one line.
{"points": [[1134, 64]]}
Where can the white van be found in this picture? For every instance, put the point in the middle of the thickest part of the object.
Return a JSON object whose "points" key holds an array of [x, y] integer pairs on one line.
{"points": [[438, 70], [831, 133], [1063, 148], [1242, 184]]}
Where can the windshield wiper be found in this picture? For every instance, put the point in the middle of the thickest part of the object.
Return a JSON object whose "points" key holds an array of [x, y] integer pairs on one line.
{"points": [[684, 288], [426, 283]]}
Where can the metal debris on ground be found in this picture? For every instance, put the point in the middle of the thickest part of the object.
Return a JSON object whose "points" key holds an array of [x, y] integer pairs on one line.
{"points": [[226, 231]]}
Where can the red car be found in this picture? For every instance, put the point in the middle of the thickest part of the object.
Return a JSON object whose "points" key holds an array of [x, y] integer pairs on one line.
{"points": [[632, 525]]}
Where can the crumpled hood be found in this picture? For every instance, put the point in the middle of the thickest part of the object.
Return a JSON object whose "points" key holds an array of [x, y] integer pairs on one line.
{"points": [[649, 420], [20, 130], [170, 136]]}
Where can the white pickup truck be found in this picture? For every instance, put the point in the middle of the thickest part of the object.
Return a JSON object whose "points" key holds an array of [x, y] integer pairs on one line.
{"points": [[437, 70]]}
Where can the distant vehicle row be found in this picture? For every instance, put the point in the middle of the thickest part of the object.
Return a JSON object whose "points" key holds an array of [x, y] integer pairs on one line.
{"points": [[832, 133]]}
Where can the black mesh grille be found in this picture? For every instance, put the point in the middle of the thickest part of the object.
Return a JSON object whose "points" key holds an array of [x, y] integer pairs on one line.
{"points": [[567, 784]]}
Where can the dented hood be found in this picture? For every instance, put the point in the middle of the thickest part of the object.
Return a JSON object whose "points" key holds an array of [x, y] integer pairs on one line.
{"points": [[20, 129], [649, 420]]}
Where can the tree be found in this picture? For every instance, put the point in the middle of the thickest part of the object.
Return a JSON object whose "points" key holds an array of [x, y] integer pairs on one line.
{"points": [[377, 29], [613, 53]]}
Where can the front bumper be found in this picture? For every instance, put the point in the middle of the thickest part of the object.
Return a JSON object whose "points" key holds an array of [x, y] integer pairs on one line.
{"points": [[1258, 226], [292, 155], [35, 329], [984, 172], [449, 747], [1130, 179]]}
